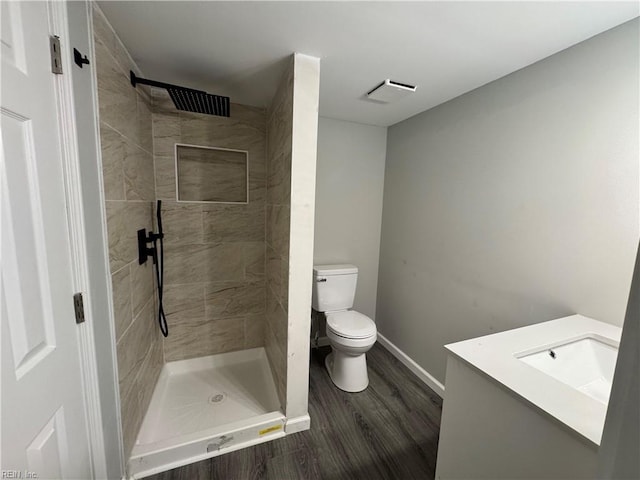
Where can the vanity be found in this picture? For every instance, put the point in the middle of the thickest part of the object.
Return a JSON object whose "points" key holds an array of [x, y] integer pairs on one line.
{"points": [[529, 402]]}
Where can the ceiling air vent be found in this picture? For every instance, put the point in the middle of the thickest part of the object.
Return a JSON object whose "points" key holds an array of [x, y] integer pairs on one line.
{"points": [[388, 91]]}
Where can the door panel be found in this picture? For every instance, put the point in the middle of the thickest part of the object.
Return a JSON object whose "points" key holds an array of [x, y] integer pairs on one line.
{"points": [[44, 427], [27, 288]]}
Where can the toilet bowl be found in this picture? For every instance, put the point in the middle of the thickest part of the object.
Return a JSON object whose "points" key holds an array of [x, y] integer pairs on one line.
{"points": [[351, 334], [347, 363]]}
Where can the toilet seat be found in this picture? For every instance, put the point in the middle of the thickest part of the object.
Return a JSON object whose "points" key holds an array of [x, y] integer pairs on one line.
{"points": [[350, 324], [355, 345]]}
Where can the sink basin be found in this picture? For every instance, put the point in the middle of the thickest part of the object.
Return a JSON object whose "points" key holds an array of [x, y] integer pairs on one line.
{"points": [[586, 363]]}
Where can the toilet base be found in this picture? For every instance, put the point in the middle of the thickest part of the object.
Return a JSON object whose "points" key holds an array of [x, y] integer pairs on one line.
{"points": [[347, 372]]}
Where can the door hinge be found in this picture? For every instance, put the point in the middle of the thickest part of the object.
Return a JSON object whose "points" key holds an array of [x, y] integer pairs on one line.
{"points": [[78, 307], [56, 55]]}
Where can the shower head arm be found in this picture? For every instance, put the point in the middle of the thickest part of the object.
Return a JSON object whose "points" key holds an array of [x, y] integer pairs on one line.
{"points": [[152, 83], [189, 99]]}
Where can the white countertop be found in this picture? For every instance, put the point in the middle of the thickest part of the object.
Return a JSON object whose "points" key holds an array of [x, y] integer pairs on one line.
{"points": [[495, 356]]}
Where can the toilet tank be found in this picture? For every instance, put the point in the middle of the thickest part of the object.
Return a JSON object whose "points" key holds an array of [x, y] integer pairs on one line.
{"points": [[334, 287]]}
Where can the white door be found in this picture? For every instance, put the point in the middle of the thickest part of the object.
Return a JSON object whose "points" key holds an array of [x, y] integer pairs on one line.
{"points": [[43, 419]]}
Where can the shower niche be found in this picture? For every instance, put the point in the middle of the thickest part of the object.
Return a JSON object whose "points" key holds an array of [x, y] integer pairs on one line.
{"points": [[211, 174]]}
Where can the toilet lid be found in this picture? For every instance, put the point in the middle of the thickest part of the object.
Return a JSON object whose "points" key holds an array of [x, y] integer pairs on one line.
{"points": [[351, 324]]}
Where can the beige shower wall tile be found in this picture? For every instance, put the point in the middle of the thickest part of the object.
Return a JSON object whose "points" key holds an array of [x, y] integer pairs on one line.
{"points": [[280, 121], [133, 347], [254, 260], [102, 32], [277, 275], [138, 173], [256, 117], [165, 171], [144, 130], [184, 303], [279, 180], [277, 357], [225, 261], [166, 133], [257, 183], [121, 246], [277, 228], [131, 412], [182, 223], [185, 263], [121, 288], [139, 215], [257, 162], [125, 63], [203, 263], [123, 221], [257, 149], [206, 337], [279, 138], [257, 191], [273, 272], [233, 223], [135, 402], [149, 373], [254, 326], [223, 132], [276, 318], [117, 99], [112, 148], [162, 102], [145, 94], [230, 299], [142, 284]]}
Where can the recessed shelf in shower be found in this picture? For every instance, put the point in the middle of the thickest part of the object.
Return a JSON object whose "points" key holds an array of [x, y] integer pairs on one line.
{"points": [[212, 174]]}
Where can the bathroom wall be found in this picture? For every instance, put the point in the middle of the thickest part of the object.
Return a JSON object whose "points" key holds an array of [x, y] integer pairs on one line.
{"points": [[515, 203], [127, 170], [304, 148], [214, 274], [278, 202], [349, 186]]}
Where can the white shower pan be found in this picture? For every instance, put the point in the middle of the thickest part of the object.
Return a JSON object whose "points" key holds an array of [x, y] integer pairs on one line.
{"points": [[207, 406]]}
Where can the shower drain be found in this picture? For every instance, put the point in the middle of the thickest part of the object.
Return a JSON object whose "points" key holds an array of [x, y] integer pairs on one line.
{"points": [[217, 398]]}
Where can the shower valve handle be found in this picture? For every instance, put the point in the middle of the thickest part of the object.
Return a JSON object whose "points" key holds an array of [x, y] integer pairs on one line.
{"points": [[145, 252]]}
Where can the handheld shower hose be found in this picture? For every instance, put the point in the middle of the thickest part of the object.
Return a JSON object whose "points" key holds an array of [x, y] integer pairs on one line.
{"points": [[158, 260]]}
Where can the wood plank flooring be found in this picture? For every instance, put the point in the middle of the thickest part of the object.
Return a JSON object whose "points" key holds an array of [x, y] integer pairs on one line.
{"points": [[389, 431]]}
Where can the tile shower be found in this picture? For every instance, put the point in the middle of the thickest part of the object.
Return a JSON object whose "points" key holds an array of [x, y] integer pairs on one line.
{"points": [[227, 261]]}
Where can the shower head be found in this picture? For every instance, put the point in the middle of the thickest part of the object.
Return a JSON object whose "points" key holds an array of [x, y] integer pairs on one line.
{"points": [[199, 102], [188, 99]]}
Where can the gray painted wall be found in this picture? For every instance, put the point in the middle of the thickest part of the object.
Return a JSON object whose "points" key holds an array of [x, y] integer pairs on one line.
{"points": [[515, 203], [349, 186]]}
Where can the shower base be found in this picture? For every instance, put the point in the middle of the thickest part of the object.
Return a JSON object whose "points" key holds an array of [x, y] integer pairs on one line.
{"points": [[207, 406]]}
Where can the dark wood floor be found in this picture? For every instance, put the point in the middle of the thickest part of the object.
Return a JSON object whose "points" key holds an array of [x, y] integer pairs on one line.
{"points": [[389, 431]]}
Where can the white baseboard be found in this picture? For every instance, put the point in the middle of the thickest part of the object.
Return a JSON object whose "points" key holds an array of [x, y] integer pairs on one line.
{"points": [[417, 370], [297, 424]]}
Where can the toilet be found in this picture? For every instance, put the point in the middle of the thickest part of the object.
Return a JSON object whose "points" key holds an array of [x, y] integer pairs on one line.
{"points": [[351, 334]]}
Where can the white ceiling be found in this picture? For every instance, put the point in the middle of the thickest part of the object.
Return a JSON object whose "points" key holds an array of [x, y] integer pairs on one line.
{"points": [[445, 48]]}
